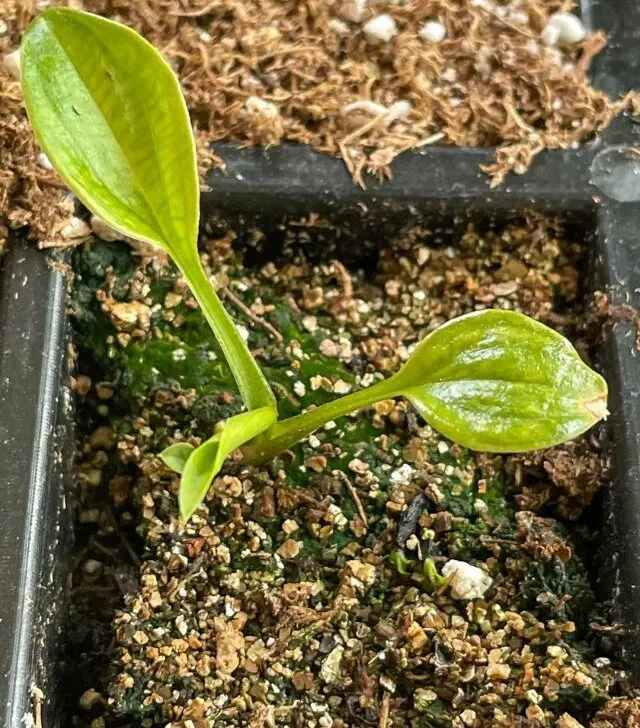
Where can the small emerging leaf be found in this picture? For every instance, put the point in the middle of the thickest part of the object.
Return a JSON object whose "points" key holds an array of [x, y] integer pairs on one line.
{"points": [[502, 382], [400, 561], [110, 115], [175, 456], [205, 461], [432, 579]]}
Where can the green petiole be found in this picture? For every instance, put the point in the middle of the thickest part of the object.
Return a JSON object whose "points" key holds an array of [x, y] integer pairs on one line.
{"points": [[251, 382], [286, 433]]}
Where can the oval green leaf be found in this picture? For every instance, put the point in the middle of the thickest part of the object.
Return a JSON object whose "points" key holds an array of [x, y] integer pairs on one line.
{"points": [[175, 456], [205, 461], [502, 382], [108, 111]]}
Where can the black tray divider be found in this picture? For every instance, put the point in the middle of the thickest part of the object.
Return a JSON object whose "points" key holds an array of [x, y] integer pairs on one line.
{"points": [[34, 460]]}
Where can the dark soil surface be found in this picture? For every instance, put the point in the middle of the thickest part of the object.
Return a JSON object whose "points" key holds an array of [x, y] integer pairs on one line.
{"points": [[309, 592]]}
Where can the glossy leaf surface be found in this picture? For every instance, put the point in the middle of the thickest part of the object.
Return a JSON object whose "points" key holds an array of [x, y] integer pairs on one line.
{"points": [[110, 115], [204, 463], [502, 382]]}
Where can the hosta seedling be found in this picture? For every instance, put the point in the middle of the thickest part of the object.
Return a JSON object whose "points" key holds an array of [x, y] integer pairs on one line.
{"points": [[110, 115]]}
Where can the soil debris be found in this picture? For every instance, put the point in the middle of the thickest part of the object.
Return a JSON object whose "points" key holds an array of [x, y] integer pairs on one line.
{"points": [[288, 601]]}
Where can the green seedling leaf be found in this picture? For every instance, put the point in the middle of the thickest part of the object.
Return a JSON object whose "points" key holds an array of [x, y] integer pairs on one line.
{"points": [[502, 382], [204, 463], [175, 456], [401, 563], [496, 381], [432, 579], [109, 113]]}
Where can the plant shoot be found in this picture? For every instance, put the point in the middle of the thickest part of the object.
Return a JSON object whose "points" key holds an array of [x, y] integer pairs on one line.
{"points": [[109, 113]]}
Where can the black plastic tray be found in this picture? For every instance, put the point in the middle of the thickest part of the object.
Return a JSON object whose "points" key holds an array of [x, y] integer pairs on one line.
{"points": [[36, 453], [598, 185]]}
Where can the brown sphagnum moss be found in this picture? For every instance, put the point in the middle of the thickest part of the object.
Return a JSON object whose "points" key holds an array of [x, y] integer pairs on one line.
{"points": [[374, 575], [270, 71]]}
